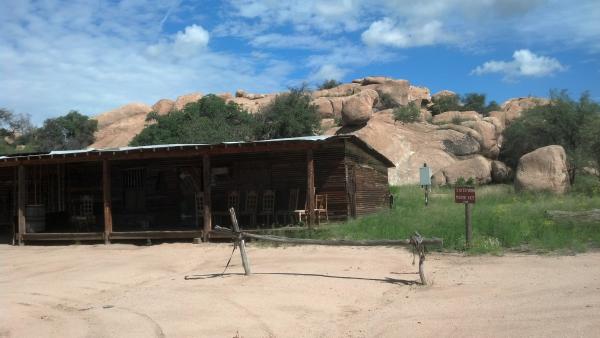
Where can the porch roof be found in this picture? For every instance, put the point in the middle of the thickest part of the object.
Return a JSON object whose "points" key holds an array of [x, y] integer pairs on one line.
{"points": [[171, 150]]}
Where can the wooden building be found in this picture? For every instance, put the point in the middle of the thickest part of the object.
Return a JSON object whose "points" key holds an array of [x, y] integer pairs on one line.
{"points": [[182, 191]]}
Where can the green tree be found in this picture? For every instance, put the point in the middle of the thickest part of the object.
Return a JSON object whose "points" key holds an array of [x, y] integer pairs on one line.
{"points": [[328, 84], [562, 121], [473, 101], [72, 131], [288, 115], [445, 103], [209, 120]]}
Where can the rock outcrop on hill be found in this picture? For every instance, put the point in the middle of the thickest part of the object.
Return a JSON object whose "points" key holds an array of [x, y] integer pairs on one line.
{"points": [[454, 144], [544, 169]]}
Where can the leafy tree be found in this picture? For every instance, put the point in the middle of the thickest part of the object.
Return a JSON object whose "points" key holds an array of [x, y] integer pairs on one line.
{"points": [[492, 106], [288, 115], [445, 103], [473, 101], [563, 121], [328, 84], [209, 120], [408, 113], [72, 131]]}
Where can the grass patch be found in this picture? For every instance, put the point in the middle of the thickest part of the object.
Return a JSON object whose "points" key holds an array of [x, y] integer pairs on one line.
{"points": [[502, 219]]}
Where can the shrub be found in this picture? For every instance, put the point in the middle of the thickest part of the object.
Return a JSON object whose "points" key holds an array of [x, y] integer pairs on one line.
{"points": [[408, 113], [288, 115], [386, 101], [444, 104], [328, 84]]}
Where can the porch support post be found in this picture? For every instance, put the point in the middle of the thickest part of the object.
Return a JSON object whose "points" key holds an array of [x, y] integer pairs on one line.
{"points": [[310, 188], [21, 200], [107, 200], [207, 200]]}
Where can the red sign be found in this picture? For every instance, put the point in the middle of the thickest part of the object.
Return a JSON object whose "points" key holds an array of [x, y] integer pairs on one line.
{"points": [[464, 195]]}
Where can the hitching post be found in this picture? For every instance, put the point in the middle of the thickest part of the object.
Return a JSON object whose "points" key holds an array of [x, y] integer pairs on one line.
{"points": [[239, 240]]}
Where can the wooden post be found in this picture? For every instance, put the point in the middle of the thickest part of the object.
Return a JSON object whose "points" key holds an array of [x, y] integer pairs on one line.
{"points": [[468, 225], [239, 240], [107, 201], [207, 197], [310, 188], [21, 200]]}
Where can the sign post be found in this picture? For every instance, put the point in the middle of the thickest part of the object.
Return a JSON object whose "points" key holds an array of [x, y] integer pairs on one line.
{"points": [[466, 196], [425, 180]]}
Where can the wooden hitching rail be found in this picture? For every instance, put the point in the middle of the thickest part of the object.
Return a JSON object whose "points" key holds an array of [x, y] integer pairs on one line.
{"points": [[417, 242]]}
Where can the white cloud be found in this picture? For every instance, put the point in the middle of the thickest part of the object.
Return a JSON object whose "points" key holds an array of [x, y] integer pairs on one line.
{"points": [[194, 36], [276, 40], [328, 72], [388, 33], [524, 63]]}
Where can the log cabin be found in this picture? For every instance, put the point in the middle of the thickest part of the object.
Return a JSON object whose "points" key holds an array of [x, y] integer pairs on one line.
{"points": [[184, 190]]}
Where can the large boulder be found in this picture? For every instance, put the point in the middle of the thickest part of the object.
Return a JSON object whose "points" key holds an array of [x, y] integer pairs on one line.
{"points": [[324, 107], [489, 137], [346, 89], [544, 169], [456, 117], [185, 99], [460, 144], [501, 173], [163, 106], [358, 108], [419, 95], [442, 93], [513, 108], [478, 167], [398, 90], [117, 127]]}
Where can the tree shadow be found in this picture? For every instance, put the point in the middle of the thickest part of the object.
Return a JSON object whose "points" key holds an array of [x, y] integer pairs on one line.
{"points": [[297, 274]]}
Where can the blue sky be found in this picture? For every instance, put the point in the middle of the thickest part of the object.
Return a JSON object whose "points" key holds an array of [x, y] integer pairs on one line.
{"points": [[96, 55]]}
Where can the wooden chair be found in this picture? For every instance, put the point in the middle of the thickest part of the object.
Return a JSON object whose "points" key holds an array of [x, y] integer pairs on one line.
{"points": [[268, 206], [250, 206], [83, 215], [321, 207], [292, 206]]}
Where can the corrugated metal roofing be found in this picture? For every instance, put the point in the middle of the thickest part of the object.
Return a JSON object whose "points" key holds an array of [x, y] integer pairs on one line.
{"points": [[317, 138]]}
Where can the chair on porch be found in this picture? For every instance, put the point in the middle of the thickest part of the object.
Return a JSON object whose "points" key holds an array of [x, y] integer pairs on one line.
{"points": [[83, 213], [250, 207], [288, 214], [268, 207], [321, 207]]}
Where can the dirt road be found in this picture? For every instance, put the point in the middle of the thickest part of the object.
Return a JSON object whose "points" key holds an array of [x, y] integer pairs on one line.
{"points": [[142, 291]]}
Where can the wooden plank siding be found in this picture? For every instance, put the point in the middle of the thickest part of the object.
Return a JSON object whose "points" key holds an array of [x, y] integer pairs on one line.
{"points": [[370, 180]]}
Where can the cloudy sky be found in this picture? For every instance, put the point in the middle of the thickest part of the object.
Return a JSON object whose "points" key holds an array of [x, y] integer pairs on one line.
{"points": [[96, 55]]}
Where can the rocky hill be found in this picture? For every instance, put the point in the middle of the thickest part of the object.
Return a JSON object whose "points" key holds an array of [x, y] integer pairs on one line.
{"points": [[453, 143]]}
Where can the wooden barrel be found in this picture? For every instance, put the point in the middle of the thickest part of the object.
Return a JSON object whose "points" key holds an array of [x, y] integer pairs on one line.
{"points": [[35, 217]]}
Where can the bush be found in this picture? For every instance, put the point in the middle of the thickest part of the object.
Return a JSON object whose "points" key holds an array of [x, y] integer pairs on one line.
{"points": [[72, 131], [386, 101], [410, 113], [563, 122], [288, 115], [209, 120], [328, 84], [444, 104]]}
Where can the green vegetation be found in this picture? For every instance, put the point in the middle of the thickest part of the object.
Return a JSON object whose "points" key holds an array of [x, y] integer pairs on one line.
{"points": [[386, 101], [408, 113], [212, 120], [502, 220], [575, 125], [468, 102], [209, 120], [328, 84], [71, 131], [289, 115]]}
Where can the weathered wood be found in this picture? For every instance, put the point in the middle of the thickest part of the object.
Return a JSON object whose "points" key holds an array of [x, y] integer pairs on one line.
{"points": [[341, 242], [64, 236], [207, 196], [585, 216], [240, 241], [107, 201], [310, 188], [21, 200]]}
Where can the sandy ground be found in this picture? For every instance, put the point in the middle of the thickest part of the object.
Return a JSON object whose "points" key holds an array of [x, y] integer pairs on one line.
{"points": [[124, 290]]}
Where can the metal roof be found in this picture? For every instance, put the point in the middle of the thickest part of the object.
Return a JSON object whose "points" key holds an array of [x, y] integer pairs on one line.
{"points": [[196, 146]]}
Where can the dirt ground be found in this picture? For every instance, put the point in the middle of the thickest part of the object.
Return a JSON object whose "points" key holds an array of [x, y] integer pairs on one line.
{"points": [[123, 290]]}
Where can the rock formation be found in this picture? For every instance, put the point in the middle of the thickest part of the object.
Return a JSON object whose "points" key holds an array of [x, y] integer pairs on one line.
{"points": [[544, 169]]}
